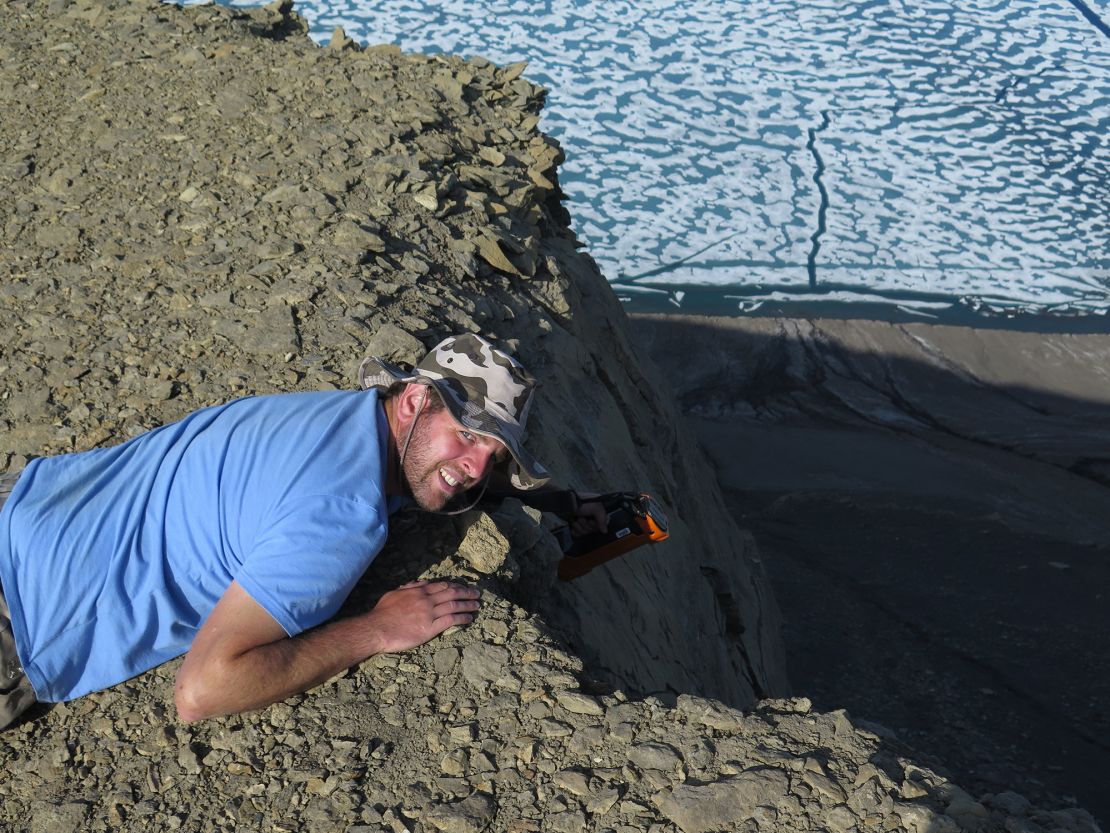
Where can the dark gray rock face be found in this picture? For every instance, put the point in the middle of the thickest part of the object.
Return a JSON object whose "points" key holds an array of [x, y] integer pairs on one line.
{"points": [[933, 503]]}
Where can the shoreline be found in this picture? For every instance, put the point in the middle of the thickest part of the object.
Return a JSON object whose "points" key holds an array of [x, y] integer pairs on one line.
{"points": [[725, 304]]}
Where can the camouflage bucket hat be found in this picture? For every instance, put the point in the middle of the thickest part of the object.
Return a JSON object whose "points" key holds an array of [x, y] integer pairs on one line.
{"points": [[485, 389]]}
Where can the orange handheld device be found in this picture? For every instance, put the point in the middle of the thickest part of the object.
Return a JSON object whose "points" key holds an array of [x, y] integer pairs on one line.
{"points": [[634, 519]]}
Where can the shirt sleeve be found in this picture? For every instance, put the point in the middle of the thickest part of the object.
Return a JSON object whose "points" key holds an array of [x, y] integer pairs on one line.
{"points": [[307, 560]]}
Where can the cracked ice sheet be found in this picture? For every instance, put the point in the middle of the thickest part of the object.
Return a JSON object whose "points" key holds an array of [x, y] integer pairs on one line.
{"points": [[967, 151]]}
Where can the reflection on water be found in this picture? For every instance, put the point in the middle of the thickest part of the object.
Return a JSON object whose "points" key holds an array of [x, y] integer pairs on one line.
{"points": [[779, 151]]}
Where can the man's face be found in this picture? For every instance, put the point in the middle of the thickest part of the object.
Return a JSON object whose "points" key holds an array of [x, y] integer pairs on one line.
{"points": [[444, 459]]}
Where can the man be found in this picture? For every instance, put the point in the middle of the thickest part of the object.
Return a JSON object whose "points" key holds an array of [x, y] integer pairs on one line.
{"points": [[234, 534]]}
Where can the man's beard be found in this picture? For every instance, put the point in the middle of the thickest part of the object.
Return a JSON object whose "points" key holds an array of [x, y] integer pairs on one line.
{"points": [[420, 471]]}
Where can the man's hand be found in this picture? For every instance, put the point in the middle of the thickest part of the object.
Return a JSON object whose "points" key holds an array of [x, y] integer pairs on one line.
{"points": [[241, 659], [418, 611], [589, 517]]}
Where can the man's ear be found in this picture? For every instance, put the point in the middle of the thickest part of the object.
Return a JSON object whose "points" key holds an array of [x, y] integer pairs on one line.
{"points": [[409, 401]]}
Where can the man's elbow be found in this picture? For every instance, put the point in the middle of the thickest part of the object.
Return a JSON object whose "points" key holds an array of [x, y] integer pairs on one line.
{"points": [[194, 699], [188, 705]]}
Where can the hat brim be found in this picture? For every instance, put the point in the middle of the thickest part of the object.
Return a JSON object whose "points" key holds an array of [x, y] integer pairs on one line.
{"points": [[524, 470]]}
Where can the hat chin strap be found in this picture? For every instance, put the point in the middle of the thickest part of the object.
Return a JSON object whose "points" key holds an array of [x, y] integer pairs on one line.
{"points": [[412, 427], [404, 451]]}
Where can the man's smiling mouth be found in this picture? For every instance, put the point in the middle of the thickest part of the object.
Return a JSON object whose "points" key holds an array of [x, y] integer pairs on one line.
{"points": [[448, 479]]}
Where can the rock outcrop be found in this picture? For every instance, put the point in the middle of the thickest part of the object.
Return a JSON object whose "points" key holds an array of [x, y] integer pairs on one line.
{"points": [[202, 203], [205, 204]]}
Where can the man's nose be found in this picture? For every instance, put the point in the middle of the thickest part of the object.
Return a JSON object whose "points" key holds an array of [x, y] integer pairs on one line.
{"points": [[478, 463]]}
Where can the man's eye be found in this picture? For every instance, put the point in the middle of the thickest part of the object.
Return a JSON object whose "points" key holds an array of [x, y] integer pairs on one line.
{"points": [[466, 435]]}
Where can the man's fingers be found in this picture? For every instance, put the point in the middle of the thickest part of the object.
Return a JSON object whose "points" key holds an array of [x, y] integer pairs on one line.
{"points": [[591, 517], [454, 606], [454, 591], [437, 588], [451, 620], [598, 515], [421, 610]]}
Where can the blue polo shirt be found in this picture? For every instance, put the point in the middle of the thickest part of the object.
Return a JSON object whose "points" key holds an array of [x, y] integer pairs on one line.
{"points": [[111, 559]]}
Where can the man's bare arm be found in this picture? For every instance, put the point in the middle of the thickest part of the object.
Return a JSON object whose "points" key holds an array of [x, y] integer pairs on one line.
{"points": [[241, 658]]}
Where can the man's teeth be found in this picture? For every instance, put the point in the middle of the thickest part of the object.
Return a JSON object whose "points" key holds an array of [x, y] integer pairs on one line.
{"points": [[452, 482]]}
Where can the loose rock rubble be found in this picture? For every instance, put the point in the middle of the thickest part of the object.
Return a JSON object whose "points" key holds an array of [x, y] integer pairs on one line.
{"points": [[200, 204], [493, 727]]}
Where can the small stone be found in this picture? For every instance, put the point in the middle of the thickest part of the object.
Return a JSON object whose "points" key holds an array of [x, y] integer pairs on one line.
{"points": [[393, 715], [454, 763], [427, 199], [462, 734], [395, 345], [911, 790], [510, 72], [353, 237], [483, 664], [283, 194], [824, 785], [188, 760], [572, 821], [526, 752], [491, 253], [967, 812], [63, 180], [788, 705], [840, 818], [481, 762], [339, 40], [919, 819], [470, 815], [554, 728], [483, 546], [710, 713], [65, 817], [633, 808], [57, 237], [275, 249], [654, 756], [723, 803], [161, 390], [578, 703], [865, 774], [492, 155], [497, 630], [572, 781], [60, 756], [602, 802], [1009, 802], [540, 180], [444, 661]]}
